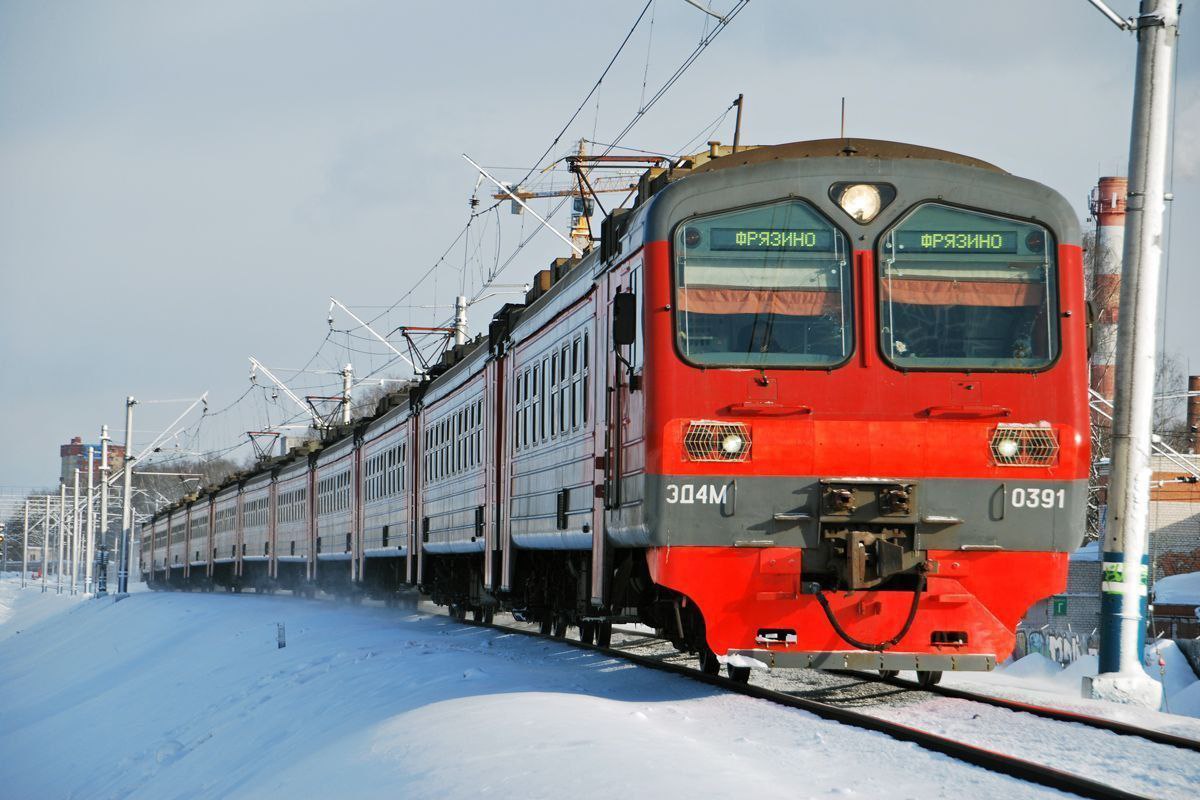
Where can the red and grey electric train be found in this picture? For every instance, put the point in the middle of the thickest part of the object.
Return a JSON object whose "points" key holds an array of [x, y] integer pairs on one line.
{"points": [[820, 404]]}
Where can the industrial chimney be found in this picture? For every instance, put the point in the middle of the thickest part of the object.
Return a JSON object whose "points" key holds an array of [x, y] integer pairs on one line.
{"points": [[1108, 208], [1193, 413]]}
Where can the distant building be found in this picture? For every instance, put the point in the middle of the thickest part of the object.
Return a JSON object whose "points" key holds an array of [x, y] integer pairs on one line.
{"points": [[74, 456]]}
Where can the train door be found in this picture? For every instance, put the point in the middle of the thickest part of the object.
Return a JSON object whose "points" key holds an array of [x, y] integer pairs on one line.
{"points": [[493, 443], [618, 343]]}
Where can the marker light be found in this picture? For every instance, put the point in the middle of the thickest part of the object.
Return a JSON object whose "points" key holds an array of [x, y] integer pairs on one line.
{"points": [[1007, 448], [861, 201]]}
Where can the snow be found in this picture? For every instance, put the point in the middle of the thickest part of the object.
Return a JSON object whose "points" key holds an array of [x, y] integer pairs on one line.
{"points": [[1089, 552], [1038, 680], [1180, 590], [187, 695], [23, 609]]}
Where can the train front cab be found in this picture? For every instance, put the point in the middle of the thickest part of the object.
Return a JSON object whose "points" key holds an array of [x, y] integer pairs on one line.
{"points": [[874, 431]]}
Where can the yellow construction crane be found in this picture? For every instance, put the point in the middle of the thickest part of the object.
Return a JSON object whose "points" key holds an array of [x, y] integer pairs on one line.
{"points": [[586, 188]]}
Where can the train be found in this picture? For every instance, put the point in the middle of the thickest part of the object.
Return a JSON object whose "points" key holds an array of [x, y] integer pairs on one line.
{"points": [[820, 405]]}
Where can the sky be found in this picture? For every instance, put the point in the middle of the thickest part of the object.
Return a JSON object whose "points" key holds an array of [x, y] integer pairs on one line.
{"points": [[185, 185]]}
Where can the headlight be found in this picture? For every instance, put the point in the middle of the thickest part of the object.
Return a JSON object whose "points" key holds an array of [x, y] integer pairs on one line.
{"points": [[861, 201], [732, 444], [1017, 445], [710, 440]]}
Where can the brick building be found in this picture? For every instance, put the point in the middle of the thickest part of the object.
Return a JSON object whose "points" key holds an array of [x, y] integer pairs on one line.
{"points": [[74, 455]]}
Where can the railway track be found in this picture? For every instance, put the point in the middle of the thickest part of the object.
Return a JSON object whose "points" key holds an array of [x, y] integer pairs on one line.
{"points": [[1059, 715], [1003, 763]]}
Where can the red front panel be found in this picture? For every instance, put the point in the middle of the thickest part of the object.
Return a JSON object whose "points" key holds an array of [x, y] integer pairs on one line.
{"points": [[741, 591], [864, 418]]}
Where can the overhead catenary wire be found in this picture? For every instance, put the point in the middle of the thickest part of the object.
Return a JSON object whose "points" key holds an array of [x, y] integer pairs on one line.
{"points": [[558, 137], [706, 40], [472, 251]]}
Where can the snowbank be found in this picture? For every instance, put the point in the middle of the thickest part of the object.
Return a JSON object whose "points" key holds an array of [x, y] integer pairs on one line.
{"points": [[187, 695], [1037, 679], [24, 608], [1178, 590]]}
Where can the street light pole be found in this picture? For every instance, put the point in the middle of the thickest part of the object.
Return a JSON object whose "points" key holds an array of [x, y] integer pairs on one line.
{"points": [[1124, 582]]}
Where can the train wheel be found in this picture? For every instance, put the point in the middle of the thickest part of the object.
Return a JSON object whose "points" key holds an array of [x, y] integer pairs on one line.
{"points": [[489, 614], [587, 632], [888, 673], [476, 614], [708, 662], [738, 674], [560, 626], [604, 634], [544, 625], [929, 678]]}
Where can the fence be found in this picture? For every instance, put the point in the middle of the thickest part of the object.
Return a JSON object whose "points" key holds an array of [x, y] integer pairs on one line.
{"points": [[1062, 647]]}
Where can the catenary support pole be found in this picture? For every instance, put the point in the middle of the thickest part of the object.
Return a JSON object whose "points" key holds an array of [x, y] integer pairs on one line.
{"points": [[62, 533], [75, 535], [104, 439], [45, 543], [89, 536], [25, 545], [1124, 580], [347, 392], [125, 558]]}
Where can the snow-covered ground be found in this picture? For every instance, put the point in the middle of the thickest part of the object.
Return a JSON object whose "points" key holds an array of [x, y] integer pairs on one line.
{"points": [[1037, 679], [187, 695]]}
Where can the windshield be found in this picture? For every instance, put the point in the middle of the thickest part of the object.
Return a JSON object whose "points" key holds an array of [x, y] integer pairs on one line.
{"points": [[763, 286], [962, 289]]}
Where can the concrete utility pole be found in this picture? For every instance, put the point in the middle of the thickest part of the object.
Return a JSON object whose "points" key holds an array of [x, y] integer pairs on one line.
{"points": [[25, 545], [125, 558], [62, 533], [1124, 581], [75, 535], [347, 392]]}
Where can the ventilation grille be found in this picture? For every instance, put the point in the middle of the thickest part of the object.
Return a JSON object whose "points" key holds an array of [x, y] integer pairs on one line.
{"points": [[707, 441], [1024, 446]]}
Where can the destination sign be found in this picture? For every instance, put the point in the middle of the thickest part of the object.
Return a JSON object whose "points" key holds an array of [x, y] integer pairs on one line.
{"points": [[957, 241], [770, 239]]}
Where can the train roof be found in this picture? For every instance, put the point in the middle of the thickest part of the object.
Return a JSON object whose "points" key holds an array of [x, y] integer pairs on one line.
{"points": [[831, 148]]}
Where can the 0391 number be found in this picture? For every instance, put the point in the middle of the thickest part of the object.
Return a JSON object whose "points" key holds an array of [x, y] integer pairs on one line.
{"points": [[1033, 497]]}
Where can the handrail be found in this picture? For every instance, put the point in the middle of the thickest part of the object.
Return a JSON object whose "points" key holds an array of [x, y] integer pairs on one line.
{"points": [[966, 412]]}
